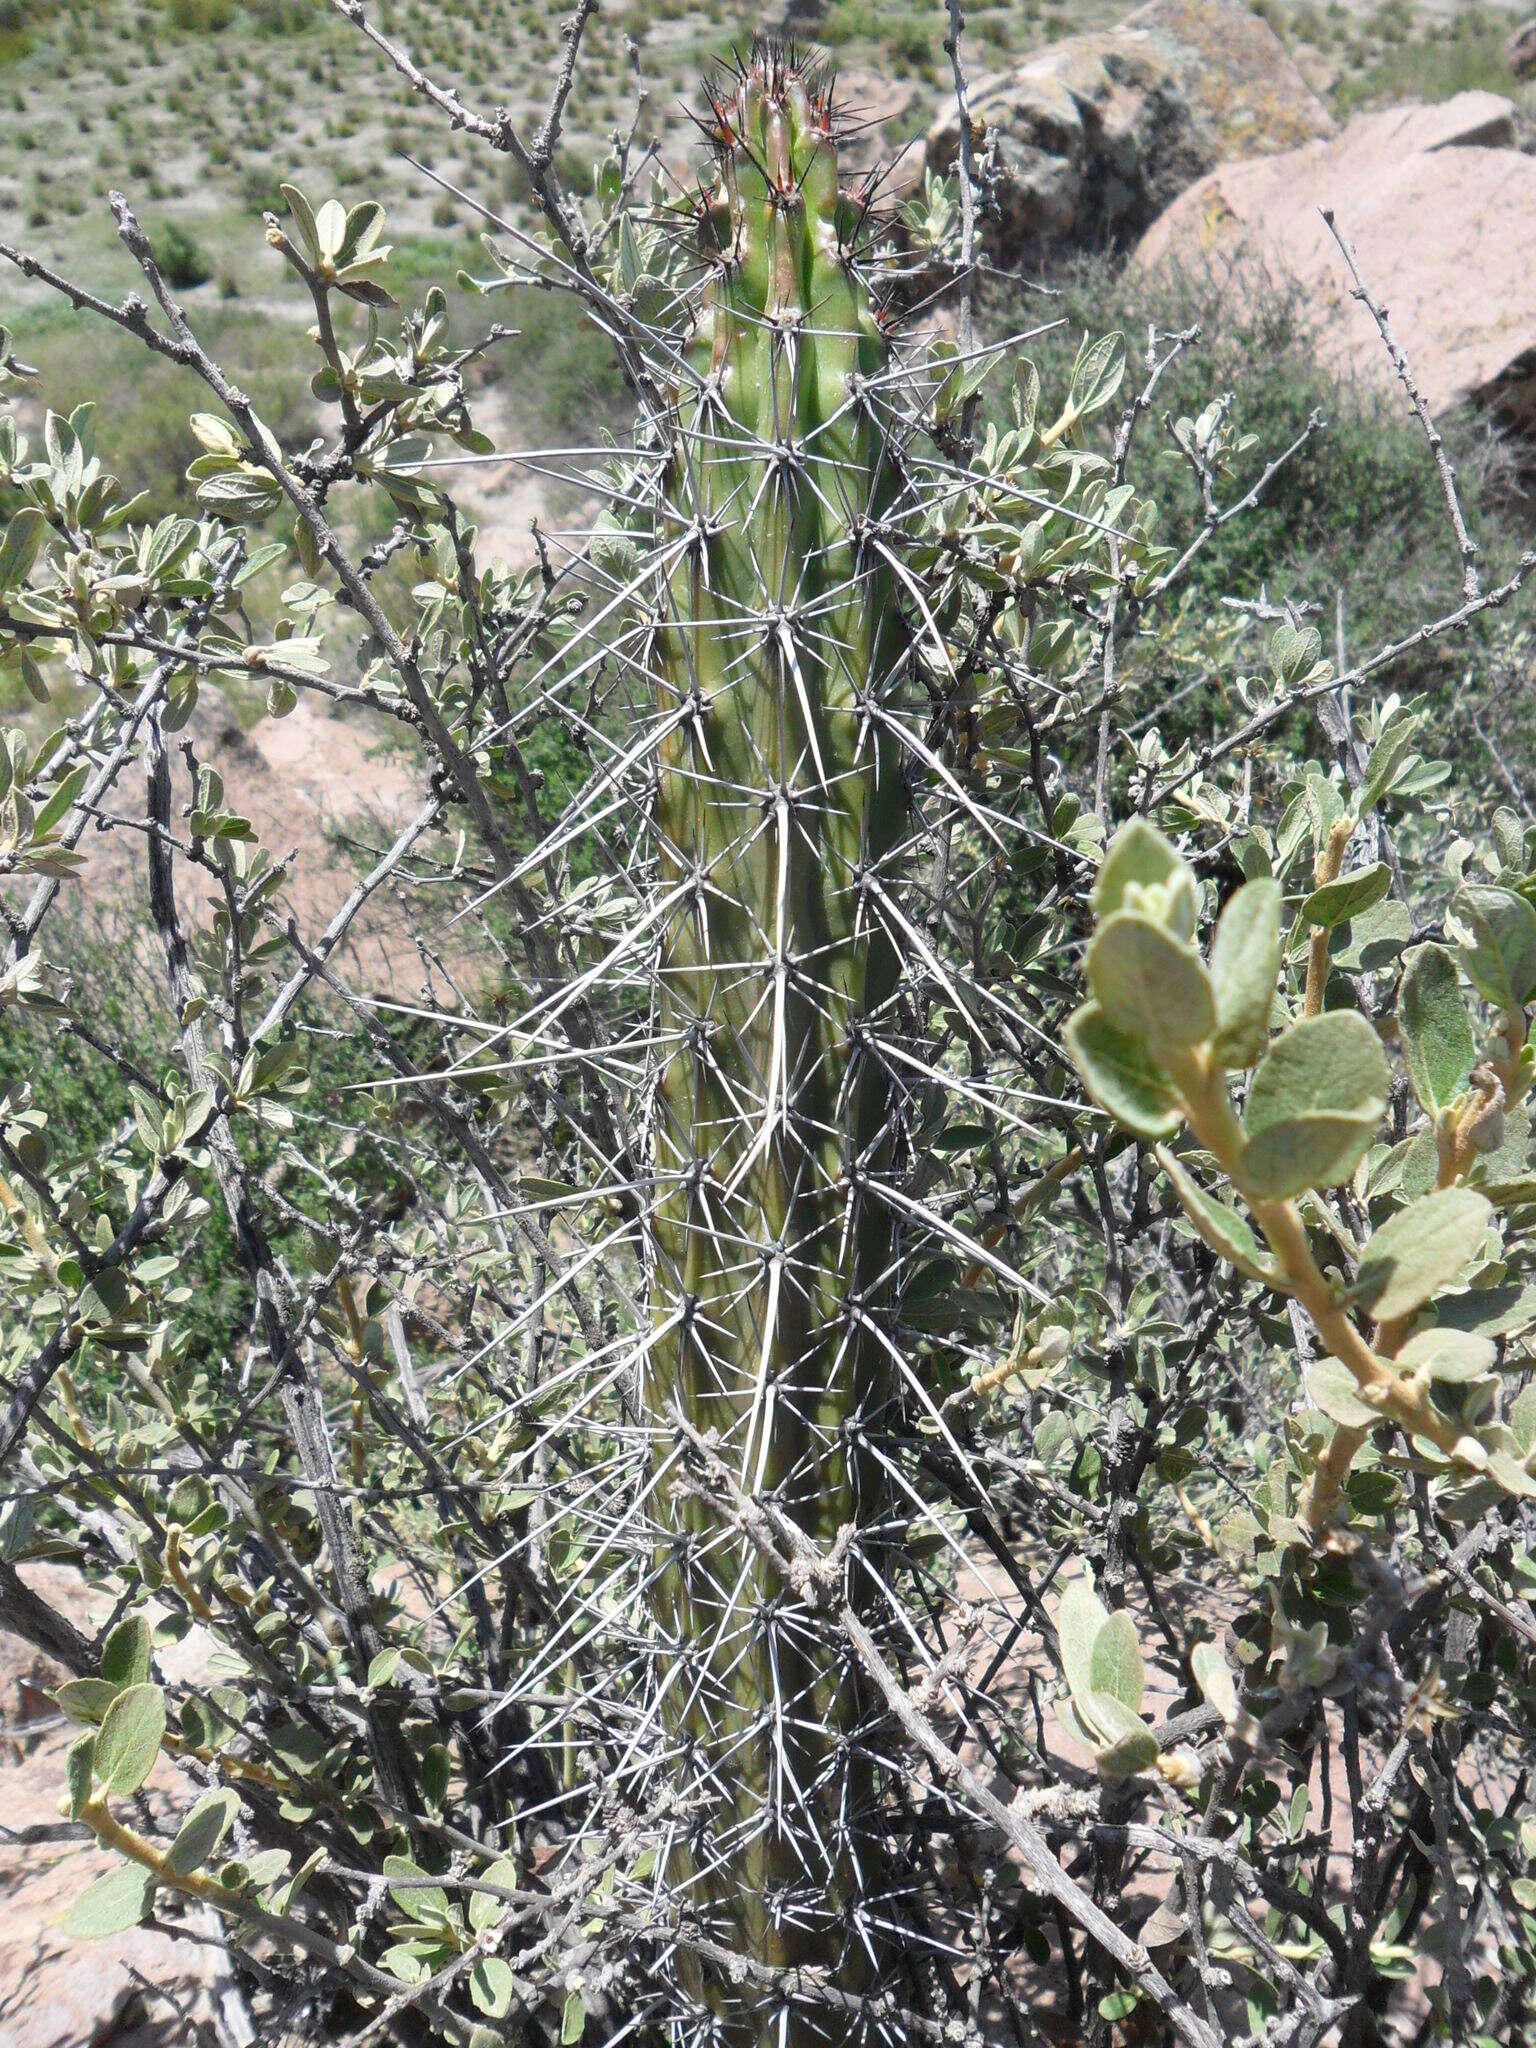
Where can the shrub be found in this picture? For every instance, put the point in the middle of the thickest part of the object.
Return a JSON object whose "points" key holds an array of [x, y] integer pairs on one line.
{"points": [[200, 17], [873, 1377]]}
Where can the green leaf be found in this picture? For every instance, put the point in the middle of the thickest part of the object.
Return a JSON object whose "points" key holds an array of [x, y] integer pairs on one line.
{"points": [[1215, 1679], [78, 1773], [485, 1909], [304, 218], [434, 1773], [1114, 1663], [1314, 1106], [1386, 756], [1228, 1234], [1079, 1618], [125, 1654], [424, 1900], [1336, 902], [1245, 962], [1026, 395], [1369, 943], [1509, 837], [330, 227], [1504, 1174], [1149, 982], [1125, 1745], [383, 1667], [1501, 961], [202, 1831], [85, 1699], [363, 224], [24, 535], [1052, 1434], [1097, 374], [1490, 1311], [1522, 1419], [1451, 1356], [1324, 804], [60, 798], [1420, 1250], [1138, 855], [1119, 2005], [1297, 1815], [1121, 1075], [1293, 650], [1333, 1389], [1435, 1029], [573, 2019], [129, 1742], [283, 1898], [490, 1987], [112, 1904]]}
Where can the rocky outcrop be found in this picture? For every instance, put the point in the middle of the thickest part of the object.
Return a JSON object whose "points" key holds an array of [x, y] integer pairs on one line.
{"points": [[1096, 135], [1431, 197]]}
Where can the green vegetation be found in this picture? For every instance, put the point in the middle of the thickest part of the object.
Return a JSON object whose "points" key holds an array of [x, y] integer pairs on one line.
{"points": [[875, 1382], [1355, 518], [1464, 53]]}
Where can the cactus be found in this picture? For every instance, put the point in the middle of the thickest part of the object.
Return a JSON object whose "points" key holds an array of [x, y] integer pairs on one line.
{"points": [[779, 795]]}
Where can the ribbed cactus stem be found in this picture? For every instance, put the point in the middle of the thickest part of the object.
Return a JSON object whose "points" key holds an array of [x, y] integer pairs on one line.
{"points": [[780, 795]]}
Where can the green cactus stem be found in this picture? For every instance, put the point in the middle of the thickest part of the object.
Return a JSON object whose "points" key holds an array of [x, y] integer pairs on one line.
{"points": [[780, 794]]}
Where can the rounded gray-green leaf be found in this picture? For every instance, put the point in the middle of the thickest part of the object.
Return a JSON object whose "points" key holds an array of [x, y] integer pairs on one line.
{"points": [[21, 544], [490, 1987], [1336, 902], [1501, 961], [125, 1655], [78, 1766], [1435, 1029], [1333, 1388], [1215, 1679], [86, 1699], [1149, 982], [1124, 1743], [202, 1831], [1139, 854], [112, 1904], [1314, 1107], [129, 1742], [1121, 1075], [1114, 1662], [1079, 1618], [1420, 1250], [1450, 1356], [1245, 963]]}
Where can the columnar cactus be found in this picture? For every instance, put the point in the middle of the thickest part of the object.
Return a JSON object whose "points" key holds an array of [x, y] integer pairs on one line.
{"points": [[779, 796]]}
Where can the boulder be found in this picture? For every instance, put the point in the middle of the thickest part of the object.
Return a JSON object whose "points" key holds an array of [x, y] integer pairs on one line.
{"points": [[1443, 219], [1469, 120], [1520, 50], [1095, 135]]}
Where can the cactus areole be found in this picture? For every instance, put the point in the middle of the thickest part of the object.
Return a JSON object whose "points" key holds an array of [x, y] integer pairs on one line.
{"points": [[779, 801]]}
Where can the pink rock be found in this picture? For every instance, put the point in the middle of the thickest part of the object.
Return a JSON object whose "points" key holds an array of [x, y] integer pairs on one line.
{"points": [[1442, 217]]}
